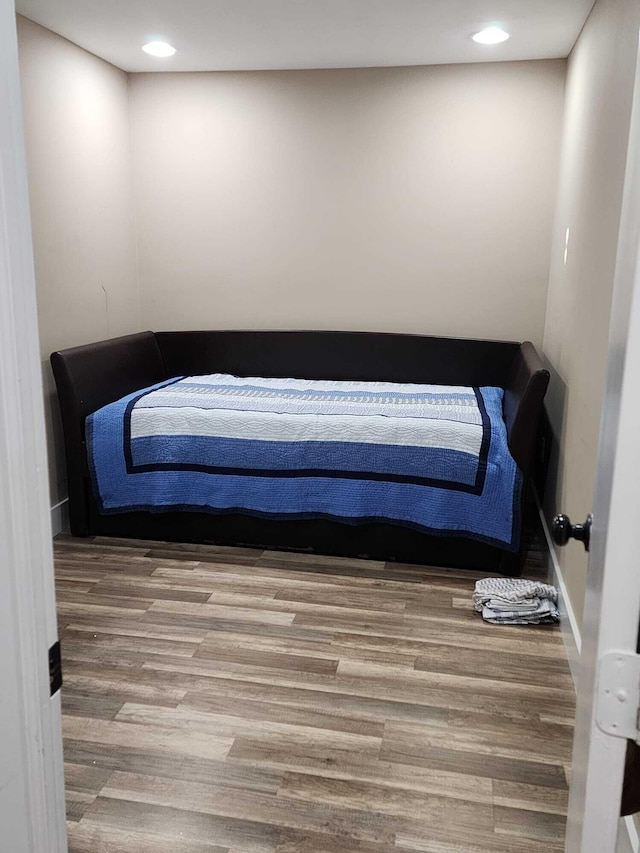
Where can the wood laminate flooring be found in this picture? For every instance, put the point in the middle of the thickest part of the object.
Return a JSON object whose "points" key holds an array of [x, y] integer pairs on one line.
{"points": [[228, 700]]}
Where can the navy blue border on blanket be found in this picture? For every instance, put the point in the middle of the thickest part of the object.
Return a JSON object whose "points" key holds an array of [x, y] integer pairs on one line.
{"points": [[126, 434], [353, 521], [474, 488]]}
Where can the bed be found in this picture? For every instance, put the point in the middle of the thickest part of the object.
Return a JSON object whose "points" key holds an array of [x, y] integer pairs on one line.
{"points": [[395, 447]]}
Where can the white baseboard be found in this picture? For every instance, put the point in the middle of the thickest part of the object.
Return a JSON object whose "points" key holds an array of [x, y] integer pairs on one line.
{"points": [[568, 622], [60, 517], [632, 833]]}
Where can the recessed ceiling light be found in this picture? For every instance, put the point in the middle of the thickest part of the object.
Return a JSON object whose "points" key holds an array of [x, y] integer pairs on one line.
{"points": [[158, 48], [491, 35]]}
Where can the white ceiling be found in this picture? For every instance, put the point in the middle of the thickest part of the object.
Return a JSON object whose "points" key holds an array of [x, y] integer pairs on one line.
{"points": [[213, 35]]}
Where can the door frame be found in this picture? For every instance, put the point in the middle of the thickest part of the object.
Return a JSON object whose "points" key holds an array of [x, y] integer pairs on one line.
{"points": [[612, 602], [32, 802]]}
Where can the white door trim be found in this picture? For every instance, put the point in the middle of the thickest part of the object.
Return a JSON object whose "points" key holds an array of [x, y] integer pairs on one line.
{"points": [[612, 604], [32, 736], [628, 841]]}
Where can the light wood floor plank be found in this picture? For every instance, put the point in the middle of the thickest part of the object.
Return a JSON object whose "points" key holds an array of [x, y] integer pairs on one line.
{"points": [[88, 838]]}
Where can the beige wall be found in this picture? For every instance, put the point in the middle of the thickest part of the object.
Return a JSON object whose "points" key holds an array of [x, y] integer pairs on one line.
{"points": [[598, 107], [76, 112], [413, 199]]}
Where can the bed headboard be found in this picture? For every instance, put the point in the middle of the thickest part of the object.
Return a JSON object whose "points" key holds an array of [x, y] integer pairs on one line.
{"points": [[359, 356], [91, 376]]}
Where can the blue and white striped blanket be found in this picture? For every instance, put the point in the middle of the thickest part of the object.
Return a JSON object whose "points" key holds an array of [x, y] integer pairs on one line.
{"points": [[432, 457]]}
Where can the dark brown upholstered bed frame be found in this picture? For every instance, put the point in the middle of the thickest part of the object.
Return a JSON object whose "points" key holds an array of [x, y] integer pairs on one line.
{"points": [[89, 377]]}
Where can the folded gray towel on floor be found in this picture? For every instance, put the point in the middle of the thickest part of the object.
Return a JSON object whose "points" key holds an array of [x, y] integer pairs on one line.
{"points": [[515, 601], [544, 612], [511, 590]]}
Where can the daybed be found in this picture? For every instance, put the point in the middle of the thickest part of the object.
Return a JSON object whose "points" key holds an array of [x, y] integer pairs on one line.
{"points": [[90, 377]]}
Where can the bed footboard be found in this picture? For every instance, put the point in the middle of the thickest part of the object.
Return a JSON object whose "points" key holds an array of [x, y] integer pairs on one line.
{"points": [[522, 406], [87, 378]]}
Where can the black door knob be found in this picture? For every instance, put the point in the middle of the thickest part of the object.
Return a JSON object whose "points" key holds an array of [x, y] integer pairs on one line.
{"points": [[563, 530]]}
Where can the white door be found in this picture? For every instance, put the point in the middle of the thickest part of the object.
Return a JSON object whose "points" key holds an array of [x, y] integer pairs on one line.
{"points": [[612, 606], [31, 781]]}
